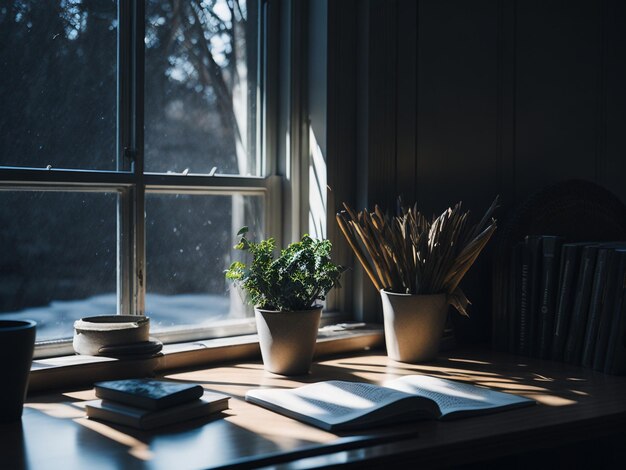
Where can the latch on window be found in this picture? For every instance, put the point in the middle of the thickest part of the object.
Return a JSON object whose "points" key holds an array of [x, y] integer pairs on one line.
{"points": [[130, 154]]}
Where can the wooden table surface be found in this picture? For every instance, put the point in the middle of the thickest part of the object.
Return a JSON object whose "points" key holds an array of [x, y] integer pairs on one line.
{"points": [[573, 403]]}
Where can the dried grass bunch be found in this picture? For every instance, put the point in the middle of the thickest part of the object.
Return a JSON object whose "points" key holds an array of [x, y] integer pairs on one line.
{"points": [[408, 254]]}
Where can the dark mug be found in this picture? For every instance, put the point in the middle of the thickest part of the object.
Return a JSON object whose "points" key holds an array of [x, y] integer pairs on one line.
{"points": [[17, 342]]}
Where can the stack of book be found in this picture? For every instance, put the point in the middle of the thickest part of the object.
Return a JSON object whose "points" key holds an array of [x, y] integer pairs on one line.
{"points": [[149, 403], [567, 302]]}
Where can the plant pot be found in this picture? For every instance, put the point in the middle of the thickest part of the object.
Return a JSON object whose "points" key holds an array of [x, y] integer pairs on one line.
{"points": [[413, 325], [17, 342], [287, 339], [94, 335]]}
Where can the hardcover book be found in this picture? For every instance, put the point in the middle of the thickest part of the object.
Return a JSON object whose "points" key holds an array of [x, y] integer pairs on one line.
{"points": [[576, 334], [514, 297], [615, 362], [616, 269], [596, 302], [140, 418], [551, 248], [150, 394], [570, 257], [339, 405], [528, 291]]}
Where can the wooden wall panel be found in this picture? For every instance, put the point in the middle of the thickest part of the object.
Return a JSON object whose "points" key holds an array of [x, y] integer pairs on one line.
{"points": [[558, 58], [341, 136], [613, 95], [406, 119], [457, 104], [381, 115]]}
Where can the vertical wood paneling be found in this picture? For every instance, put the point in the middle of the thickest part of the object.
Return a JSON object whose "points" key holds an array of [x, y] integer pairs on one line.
{"points": [[406, 99], [457, 102], [382, 124], [558, 56], [506, 100], [614, 97], [341, 136]]}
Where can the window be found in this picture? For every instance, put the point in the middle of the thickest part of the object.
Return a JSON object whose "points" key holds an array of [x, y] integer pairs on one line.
{"points": [[131, 152]]}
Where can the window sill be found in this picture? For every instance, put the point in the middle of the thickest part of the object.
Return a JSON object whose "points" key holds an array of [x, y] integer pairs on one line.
{"points": [[79, 371]]}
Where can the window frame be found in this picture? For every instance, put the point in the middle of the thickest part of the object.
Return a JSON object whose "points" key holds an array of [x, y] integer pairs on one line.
{"points": [[130, 181]]}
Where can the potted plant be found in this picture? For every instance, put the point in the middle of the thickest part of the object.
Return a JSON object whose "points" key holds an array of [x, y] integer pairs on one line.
{"points": [[285, 291], [417, 266]]}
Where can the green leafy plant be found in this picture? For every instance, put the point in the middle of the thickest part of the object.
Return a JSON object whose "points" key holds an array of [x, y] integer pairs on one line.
{"points": [[409, 254], [301, 275]]}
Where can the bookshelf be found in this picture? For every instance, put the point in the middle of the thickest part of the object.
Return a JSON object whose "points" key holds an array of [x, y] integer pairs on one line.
{"points": [[558, 277]]}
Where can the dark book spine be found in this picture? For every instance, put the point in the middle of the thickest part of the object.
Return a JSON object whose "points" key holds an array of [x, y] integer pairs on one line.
{"points": [[534, 282], [501, 313], [615, 362], [567, 279], [573, 346], [595, 306], [551, 248], [515, 294], [606, 314], [522, 325]]}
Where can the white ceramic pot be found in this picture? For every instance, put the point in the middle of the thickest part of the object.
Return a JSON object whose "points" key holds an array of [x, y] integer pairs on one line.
{"points": [[413, 325], [287, 339]]}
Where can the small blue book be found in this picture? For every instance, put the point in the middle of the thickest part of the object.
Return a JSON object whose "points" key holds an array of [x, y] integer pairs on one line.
{"points": [[149, 394]]}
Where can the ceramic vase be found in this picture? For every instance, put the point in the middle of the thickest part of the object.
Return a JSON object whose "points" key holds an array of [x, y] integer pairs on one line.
{"points": [[17, 343], [287, 339], [414, 325]]}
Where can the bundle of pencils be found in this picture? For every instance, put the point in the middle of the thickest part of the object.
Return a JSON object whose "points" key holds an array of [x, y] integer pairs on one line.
{"points": [[408, 254]]}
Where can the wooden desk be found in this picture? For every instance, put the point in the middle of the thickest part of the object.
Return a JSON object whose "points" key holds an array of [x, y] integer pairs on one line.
{"points": [[574, 405]]}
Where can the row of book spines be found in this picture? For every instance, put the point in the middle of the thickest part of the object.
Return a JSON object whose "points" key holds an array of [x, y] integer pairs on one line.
{"points": [[563, 324], [597, 312]]}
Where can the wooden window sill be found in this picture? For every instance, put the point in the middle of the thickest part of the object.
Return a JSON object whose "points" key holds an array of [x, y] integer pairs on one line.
{"points": [[79, 371]]}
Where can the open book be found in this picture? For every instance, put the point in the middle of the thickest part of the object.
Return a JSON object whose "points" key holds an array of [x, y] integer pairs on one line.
{"points": [[337, 405]]}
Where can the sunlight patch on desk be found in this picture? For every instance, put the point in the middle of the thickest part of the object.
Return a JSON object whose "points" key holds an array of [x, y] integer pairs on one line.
{"points": [[469, 361], [451, 371], [511, 386], [542, 378], [57, 410], [137, 448], [472, 378], [81, 395], [551, 400]]}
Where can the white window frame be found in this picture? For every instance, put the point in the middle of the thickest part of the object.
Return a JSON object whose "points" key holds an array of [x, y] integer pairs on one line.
{"points": [[132, 184]]}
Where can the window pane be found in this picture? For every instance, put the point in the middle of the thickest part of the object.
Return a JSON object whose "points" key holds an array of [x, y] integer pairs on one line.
{"points": [[58, 83], [58, 260], [189, 240], [200, 86]]}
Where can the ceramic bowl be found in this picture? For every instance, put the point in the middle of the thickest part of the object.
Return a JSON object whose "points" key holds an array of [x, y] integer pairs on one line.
{"points": [[93, 333]]}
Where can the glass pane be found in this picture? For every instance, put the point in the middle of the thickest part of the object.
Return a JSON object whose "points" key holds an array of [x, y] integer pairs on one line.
{"points": [[58, 83], [200, 86], [189, 244], [59, 258]]}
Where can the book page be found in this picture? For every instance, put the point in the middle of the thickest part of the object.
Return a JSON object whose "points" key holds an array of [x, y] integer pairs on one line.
{"points": [[333, 402], [456, 397]]}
